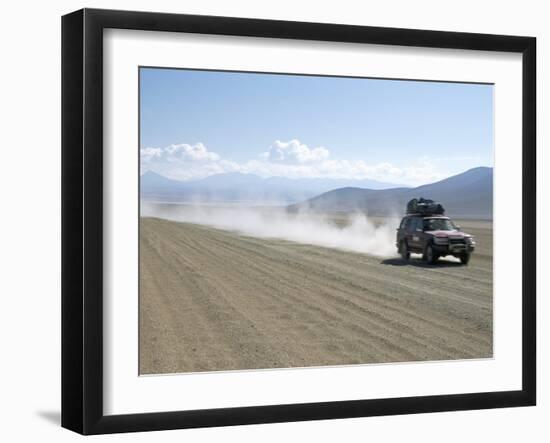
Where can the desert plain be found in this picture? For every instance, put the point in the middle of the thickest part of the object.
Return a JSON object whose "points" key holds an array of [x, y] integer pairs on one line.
{"points": [[216, 299]]}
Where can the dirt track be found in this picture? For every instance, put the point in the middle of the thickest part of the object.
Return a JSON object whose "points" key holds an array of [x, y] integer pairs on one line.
{"points": [[216, 300]]}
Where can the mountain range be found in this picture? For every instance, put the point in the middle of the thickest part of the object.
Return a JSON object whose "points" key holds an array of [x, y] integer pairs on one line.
{"points": [[466, 195], [237, 187]]}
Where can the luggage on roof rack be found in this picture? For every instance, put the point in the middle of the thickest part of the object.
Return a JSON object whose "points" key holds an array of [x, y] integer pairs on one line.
{"points": [[424, 206]]}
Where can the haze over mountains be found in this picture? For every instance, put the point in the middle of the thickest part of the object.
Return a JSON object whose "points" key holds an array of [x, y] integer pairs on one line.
{"points": [[237, 187], [466, 195]]}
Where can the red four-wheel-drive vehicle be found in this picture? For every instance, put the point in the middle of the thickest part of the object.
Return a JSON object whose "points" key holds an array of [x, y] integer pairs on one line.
{"points": [[433, 236]]}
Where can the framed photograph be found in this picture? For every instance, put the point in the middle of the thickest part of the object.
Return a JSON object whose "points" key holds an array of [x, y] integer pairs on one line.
{"points": [[269, 221]]}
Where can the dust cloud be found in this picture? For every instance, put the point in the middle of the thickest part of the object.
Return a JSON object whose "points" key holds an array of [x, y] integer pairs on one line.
{"points": [[351, 232]]}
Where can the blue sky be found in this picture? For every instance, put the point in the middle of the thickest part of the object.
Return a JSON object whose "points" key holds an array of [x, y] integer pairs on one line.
{"points": [[197, 123]]}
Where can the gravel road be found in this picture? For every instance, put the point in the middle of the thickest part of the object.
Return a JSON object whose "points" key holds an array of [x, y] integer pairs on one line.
{"points": [[215, 300]]}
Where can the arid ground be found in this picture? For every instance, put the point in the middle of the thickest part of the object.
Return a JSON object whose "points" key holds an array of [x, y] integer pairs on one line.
{"points": [[212, 299]]}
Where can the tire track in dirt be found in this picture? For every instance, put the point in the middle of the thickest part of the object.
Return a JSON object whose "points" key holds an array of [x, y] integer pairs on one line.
{"points": [[295, 264], [340, 305], [215, 300]]}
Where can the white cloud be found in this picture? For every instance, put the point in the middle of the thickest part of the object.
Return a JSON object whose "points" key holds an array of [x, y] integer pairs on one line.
{"points": [[149, 154], [295, 152], [182, 161], [196, 152], [291, 159], [177, 153]]}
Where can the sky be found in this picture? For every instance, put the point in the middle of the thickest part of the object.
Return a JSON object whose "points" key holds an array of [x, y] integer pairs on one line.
{"points": [[197, 123]]}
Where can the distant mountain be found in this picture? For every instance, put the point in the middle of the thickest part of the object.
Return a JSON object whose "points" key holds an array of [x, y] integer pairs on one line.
{"points": [[233, 187], [466, 195], [327, 183], [153, 182]]}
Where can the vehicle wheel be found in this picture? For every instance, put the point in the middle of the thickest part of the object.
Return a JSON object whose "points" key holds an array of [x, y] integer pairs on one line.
{"points": [[430, 256], [465, 258], [403, 251]]}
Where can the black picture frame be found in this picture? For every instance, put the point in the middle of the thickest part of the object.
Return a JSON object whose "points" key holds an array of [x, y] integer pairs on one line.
{"points": [[82, 218]]}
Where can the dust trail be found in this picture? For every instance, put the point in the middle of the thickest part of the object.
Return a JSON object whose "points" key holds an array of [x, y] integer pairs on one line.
{"points": [[353, 232]]}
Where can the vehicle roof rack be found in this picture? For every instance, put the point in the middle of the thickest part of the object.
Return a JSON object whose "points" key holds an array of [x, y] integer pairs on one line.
{"points": [[424, 207], [426, 214]]}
